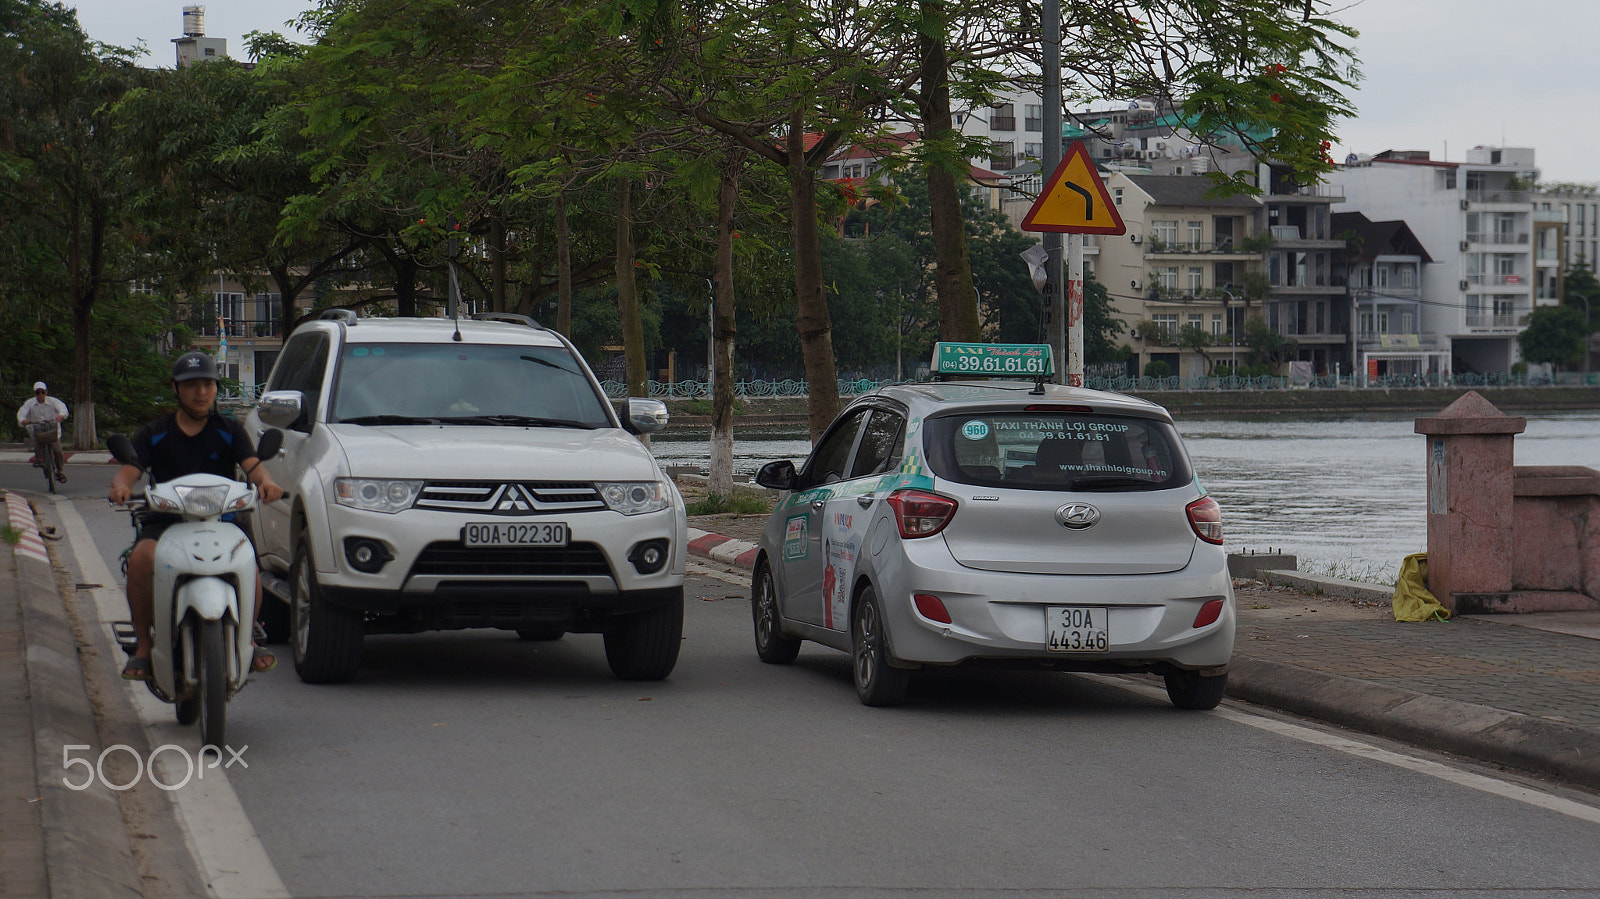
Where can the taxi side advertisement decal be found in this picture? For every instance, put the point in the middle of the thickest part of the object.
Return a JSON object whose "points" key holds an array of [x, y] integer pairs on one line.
{"points": [[839, 555], [795, 529]]}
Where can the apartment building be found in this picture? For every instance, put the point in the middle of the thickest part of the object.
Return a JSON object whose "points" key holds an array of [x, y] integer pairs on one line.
{"points": [[1578, 211], [1477, 220], [1306, 299], [1180, 264], [1382, 265]]}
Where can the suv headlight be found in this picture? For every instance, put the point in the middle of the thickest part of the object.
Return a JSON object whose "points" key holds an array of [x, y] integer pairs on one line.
{"points": [[635, 497], [376, 494]]}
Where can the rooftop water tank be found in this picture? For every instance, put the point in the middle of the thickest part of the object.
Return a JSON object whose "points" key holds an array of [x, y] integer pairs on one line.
{"points": [[194, 21]]}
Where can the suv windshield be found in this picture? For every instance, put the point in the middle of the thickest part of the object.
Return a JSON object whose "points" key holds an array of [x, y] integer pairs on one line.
{"points": [[463, 383], [1056, 451]]}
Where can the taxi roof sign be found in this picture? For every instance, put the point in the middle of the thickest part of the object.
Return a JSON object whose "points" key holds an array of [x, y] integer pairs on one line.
{"points": [[1017, 360], [1074, 200]]}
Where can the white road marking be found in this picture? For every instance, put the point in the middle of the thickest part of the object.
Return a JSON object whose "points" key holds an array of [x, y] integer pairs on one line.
{"points": [[1315, 737], [221, 838]]}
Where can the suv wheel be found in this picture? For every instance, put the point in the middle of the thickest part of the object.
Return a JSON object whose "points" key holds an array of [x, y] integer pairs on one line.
{"points": [[327, 638], [644, 645]]}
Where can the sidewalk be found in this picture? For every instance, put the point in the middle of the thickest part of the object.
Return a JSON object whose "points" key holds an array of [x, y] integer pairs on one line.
{"points": [[1516, 690]]}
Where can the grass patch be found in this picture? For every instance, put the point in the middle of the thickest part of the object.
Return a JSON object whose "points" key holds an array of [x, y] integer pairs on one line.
{"points": [[1351, 569], [11, 534], [738, 504]]}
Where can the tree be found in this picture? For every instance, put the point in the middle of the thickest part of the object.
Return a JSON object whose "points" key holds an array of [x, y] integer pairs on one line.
{"points": [[1555, 335], [1197, 339], [1581, 289], [1267, 346], [63, 170]]}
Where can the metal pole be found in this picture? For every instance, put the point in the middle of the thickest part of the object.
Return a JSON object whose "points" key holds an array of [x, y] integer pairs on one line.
{"points": [[1055, 315]]}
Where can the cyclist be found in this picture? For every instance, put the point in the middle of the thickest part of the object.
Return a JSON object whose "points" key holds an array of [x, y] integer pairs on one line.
{"points": [[45, 409], [192, 440]]}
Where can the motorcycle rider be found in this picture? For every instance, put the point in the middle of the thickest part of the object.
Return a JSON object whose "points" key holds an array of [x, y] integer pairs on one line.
{"points": [[44, 408], [192, 440]]}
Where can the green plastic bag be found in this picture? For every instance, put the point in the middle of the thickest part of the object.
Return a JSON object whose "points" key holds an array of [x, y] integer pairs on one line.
{"points": [[1412, 601]]}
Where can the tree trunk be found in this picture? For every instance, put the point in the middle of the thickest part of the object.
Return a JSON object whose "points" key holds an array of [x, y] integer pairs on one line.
{"points": [[563, 267], [720, 482], [497, 264], [628, 293], [84, 282], [816, 332], [958, 299]]}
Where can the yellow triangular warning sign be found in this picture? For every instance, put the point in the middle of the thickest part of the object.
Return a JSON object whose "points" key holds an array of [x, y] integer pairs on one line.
{"points": [[1074, 200]]}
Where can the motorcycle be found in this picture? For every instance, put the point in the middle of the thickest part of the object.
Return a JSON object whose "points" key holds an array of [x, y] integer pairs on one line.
{"points": [[205, 571]]}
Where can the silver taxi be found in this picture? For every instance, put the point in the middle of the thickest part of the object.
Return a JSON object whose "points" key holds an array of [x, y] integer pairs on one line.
{"points": [[952, 523]]}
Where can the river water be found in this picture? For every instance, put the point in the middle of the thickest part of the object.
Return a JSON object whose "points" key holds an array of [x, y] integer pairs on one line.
{"points": [[1346, 494]]}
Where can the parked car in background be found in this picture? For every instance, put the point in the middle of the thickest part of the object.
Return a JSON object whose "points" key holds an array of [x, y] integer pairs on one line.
{"points": [[997, 522], [463, 474]]}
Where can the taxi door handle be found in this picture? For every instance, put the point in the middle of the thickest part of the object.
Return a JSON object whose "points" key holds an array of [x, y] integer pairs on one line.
{"points": [[866, 500], [817, 504]]}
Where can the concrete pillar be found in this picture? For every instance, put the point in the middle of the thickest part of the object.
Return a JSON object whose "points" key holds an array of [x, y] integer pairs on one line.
{"points": [[1470, 490]]}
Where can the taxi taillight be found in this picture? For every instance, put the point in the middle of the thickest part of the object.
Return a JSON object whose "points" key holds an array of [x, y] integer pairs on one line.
{"points": [[919, 513], [1205, 516]]}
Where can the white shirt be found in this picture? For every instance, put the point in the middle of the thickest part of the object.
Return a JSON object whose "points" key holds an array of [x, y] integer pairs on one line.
{"points": [[34, 410]]}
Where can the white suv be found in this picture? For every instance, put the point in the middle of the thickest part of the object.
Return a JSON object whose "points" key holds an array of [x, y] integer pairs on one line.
{"points": [[444, 475]]}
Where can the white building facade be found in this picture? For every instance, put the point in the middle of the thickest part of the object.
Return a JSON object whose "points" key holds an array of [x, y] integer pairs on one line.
{"points": [[1477, 220]]}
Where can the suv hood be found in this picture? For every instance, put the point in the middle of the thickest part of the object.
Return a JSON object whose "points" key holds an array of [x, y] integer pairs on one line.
{"points": [[470, 452]]}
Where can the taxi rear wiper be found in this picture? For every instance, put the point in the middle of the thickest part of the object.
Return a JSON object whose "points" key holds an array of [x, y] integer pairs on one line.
{"points": [[1107, 481]]}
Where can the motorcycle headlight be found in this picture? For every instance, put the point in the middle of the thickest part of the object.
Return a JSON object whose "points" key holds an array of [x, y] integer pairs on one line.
{"points": [[635, 497], [376, 494], [202, 502]]}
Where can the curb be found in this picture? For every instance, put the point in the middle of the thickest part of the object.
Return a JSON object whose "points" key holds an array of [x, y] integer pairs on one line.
{"points": [[1474, 731], [1462, 728], [86, 845], [722, 549]]}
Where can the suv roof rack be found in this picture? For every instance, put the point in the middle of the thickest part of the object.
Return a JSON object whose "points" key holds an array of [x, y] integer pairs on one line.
{"points": [[348, 316], [509, 318]]}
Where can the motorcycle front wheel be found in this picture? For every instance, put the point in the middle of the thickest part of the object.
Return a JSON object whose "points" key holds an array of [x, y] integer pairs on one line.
{"points": [[212, 689]]}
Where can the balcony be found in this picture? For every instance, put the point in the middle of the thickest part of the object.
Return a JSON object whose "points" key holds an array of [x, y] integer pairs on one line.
{"points": [[1499, 321], [1320, 191], [1155, 246], [1499, 239], [1500, 196], [238, 328], [1498, 280]]}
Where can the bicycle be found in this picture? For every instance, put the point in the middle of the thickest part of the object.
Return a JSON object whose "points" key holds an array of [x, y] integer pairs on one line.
{"points": [[42, 452]]}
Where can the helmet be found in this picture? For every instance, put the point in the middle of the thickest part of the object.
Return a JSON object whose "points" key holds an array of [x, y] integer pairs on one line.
{"points": [[194, 365], [38, 386]]}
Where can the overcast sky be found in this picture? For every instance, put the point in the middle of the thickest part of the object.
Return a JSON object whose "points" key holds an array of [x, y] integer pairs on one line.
{"points": [[1440, 75]]}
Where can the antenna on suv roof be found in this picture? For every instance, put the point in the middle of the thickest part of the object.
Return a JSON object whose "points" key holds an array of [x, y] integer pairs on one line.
{"points": [[455, 285]]}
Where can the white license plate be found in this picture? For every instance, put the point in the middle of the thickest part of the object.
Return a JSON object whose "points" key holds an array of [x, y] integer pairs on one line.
{"points": [[544, 533], [1077, 629]]}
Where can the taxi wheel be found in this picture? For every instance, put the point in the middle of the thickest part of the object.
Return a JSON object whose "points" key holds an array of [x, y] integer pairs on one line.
{"points": [[771, 645], [1193, 690], [877, 683]]}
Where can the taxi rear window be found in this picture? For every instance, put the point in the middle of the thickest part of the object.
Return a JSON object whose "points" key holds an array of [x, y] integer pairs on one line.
{"points": [[1068, 451]]}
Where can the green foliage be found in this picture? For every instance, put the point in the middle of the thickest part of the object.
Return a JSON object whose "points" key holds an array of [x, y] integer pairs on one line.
{"points": [[738, 504], [1554, 335], [1267, 346], [1156, 368]]}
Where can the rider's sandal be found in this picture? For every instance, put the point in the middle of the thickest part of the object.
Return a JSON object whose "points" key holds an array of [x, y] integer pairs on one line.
{"points": [[138, 668], [262, 659]]}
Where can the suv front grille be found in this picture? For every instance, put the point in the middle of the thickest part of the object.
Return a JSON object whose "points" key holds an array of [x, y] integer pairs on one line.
{"points": [[454, 560], [510, 497]]}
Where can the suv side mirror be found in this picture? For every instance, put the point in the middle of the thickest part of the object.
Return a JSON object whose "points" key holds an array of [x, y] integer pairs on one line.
{"points": [[645, 416], [777, 475], [280, 408]]}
